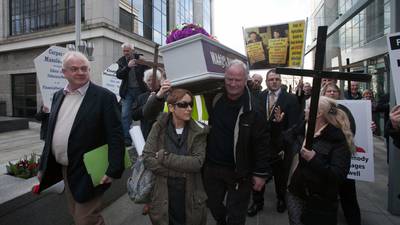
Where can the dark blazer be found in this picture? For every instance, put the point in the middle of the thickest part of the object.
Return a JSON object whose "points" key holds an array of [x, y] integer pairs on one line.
{"points": [[123, 73], [97, 122], [288, 104]]}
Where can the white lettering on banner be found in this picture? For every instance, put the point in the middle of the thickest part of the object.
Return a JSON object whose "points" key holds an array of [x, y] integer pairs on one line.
{"points": [[220, 59], [398, 42]]}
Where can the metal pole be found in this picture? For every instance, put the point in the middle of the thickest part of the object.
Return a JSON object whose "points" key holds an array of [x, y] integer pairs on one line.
{"points": [[77, 23]]}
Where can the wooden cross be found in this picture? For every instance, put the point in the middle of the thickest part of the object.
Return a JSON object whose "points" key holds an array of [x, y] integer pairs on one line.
{"points": [[155, 65], [317, 74]]}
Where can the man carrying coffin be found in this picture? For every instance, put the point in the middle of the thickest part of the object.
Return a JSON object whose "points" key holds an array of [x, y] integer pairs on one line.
{"points": [[237, 158], [83, 117]]}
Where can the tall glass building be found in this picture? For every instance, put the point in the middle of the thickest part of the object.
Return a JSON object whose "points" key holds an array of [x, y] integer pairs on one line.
{"points": [[28, 27], [357, 32]]}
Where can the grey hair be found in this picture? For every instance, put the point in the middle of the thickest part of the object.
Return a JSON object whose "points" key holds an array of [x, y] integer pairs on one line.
{"points": [[73, 54], [149, 73], [237, 62], [128, 45]]}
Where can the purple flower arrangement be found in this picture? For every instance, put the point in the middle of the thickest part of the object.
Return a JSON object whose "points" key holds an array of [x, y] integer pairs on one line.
{"points": [[186, 30]]}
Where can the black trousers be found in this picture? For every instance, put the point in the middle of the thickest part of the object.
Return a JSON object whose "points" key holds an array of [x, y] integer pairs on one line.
{"points": [[348, 200], [219, 182], [280, 181]]}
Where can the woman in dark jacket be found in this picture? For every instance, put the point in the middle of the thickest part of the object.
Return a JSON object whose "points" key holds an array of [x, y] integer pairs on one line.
{"points": [[175, 152], [316, 174]]}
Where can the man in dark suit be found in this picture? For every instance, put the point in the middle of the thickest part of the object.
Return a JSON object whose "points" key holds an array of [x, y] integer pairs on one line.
{"points": [[132, 85], [83, 117], [273, 98]]}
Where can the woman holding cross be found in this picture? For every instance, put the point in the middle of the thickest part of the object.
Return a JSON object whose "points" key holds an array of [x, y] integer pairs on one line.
{"points": [[316, 174]]}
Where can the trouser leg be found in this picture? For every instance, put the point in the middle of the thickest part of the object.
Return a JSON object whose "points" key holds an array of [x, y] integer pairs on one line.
{"points": [[348, 200], [215, 187]]}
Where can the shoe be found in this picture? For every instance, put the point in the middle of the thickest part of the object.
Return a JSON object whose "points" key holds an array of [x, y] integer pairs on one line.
{"points": [[254, 208], [280, 206]]}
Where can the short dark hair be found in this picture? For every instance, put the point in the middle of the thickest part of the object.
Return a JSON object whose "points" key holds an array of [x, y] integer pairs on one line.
{"points": [[177, 94], [273, 70]]}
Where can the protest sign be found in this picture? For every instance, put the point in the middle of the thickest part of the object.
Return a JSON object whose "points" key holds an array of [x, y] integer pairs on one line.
{"points": [[110, 80], [393, 41], [282, 45], [49, 73], [362, 161]]}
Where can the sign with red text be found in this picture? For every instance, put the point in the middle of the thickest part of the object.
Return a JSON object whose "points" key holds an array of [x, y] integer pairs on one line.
{"points": [[362, 160]]}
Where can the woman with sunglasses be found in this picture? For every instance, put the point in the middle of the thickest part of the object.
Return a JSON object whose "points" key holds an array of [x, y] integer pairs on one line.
{"points": [[175, 152]]}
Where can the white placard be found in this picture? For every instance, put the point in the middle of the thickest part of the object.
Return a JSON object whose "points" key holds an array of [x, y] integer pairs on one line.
{"points": [[362, 161], [49, 73], [110, 80], [137, 139], [393, 41]]}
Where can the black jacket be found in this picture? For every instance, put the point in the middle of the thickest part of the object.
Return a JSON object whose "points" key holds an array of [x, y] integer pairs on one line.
{"points": [[97, 122], [137, 114], [43, 117], [324, 173], [123, 73], [252, 156]]}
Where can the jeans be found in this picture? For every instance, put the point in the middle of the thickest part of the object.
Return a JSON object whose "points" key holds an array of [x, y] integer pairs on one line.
{"points": [[126, 113]]}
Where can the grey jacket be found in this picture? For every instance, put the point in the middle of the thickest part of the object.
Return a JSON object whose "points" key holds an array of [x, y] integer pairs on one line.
{"points": [[164, 164]]}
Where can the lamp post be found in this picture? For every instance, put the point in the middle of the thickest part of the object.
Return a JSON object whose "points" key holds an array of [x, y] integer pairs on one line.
{"points": [[85, 47]]}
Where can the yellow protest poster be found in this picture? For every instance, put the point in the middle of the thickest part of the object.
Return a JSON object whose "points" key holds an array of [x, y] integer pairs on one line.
{"points": [[278, 48], [255, 51], [275, 45], [296, 42]]}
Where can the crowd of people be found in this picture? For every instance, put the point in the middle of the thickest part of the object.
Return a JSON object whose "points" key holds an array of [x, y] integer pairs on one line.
{"points": [[252, 137]]}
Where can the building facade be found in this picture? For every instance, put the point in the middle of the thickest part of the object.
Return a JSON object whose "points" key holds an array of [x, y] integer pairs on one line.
{"points": [[29, 27], [357, 32]]}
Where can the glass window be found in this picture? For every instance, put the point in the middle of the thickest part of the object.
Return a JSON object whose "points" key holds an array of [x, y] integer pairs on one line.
{"points": [[207, 15], [184, 11], [34, 15]]}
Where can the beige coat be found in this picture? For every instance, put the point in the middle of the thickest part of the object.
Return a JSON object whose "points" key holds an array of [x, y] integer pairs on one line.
{"points": [[164, 164]]}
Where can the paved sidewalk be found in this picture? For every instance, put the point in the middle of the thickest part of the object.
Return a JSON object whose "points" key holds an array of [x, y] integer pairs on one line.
{"points": [[372, 196]]}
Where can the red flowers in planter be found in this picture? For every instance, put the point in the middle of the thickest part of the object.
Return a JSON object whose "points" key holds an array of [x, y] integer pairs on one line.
{"points": [[24, 168]]}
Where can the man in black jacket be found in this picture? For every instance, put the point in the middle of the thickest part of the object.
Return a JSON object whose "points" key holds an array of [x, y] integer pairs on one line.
{"points": [[83, 117], [237, 155], [132, 85], [272, 98]]}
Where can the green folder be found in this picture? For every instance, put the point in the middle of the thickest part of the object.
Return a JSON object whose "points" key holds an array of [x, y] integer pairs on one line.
{"points": [[96, 162]]}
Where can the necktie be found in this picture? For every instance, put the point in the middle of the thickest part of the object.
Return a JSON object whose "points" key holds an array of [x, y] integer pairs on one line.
{"points": [[271, 102]]}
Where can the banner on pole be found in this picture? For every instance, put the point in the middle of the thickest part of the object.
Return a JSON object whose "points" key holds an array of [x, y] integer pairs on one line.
{"points": [[275, 45]]}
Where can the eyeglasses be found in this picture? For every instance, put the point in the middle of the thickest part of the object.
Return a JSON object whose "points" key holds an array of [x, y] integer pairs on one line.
{"points": [[74, 69], [184, 105]]}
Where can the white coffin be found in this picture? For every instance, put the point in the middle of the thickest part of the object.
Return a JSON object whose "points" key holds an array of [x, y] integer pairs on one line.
{"points": [[197, 63]]}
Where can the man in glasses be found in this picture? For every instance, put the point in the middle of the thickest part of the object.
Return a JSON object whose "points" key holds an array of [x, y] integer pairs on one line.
{"points": [[237, 155], [83, 117]]}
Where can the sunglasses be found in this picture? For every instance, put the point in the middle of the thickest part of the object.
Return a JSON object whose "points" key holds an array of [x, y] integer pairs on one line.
{"points": [[184, 105]]}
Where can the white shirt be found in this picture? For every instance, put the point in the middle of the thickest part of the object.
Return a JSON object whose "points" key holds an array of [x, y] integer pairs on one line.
{"points": [[65, 119]]}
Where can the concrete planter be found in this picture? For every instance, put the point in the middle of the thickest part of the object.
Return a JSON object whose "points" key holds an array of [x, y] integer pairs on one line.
{"points": [[197, 62]]}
